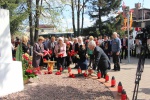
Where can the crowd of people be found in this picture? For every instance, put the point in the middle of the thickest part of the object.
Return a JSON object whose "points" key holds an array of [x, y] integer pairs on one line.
{"points": [[91, 52]]}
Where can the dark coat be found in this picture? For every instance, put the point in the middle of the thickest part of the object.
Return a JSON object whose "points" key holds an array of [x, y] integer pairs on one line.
{"points": [[106, 46], [37, 58], [126, 42], [25, 48], [82, 62], [100, 58], [50, 47]]}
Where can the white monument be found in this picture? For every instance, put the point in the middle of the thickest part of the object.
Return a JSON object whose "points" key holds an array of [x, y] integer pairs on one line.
{"points": [[11, 77]]}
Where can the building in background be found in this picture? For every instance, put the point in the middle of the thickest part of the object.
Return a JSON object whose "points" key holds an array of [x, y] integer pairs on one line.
{"points": [[141, 16]]}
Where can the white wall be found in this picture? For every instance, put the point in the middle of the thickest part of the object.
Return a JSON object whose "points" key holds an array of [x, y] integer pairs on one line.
{"points": [[11, 77]]}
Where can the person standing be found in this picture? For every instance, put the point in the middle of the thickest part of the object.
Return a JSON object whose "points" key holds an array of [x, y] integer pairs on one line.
{"points": [[106, 46], [38, 49], [100, 40], [75, 47], [124, 44], [60, 53], [25, 47], [101, 60], [131, 44], [51, 46], [116, 47]]}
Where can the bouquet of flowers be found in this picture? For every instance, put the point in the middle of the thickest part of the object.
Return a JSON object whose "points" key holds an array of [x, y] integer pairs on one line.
{"points": [[60, 55], [27, 67], [47, 52], [72, 53]]}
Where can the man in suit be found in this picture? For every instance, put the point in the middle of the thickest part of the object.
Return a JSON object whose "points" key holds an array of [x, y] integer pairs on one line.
{"points": [[124, 44], [51, 46], [101, 60]]}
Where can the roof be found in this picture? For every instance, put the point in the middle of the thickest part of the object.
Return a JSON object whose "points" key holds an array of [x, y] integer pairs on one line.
{"points": [[144, 8], [46, 26], [142, 20], [57, 33]]}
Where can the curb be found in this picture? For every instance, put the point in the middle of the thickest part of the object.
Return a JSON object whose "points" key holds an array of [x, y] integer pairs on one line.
{"points": [[114, 90]]}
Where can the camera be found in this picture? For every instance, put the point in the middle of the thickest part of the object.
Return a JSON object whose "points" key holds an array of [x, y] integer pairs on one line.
{"points": [[144, 35]]}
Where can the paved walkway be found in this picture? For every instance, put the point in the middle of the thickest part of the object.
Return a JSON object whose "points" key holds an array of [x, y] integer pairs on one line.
{"points": [[127, 77]]}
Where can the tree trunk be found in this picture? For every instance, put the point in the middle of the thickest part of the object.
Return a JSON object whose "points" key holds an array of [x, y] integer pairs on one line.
{"points": [[78, 19], [82, 18], [37, 15], [73, 19], [100, 21], [29, 3]]}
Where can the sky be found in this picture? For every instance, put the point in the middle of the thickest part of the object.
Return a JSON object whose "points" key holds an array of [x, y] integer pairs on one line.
{"points": [[67, 20]]}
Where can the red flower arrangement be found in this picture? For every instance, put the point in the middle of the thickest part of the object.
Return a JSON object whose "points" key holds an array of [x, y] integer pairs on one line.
{"points": [[47, 52], [60, 55], [28, 72], [30, 62], [72, 53], [25, 57]]}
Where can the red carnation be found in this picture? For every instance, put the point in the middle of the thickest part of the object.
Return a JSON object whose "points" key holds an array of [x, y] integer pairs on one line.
{"points": [[60, 55], [30, 62], [73, 76], [29, 71], [50, 52]]}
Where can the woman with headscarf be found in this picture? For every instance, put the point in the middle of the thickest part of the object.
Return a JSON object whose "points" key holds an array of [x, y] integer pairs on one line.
{"points": [[60, 52]]}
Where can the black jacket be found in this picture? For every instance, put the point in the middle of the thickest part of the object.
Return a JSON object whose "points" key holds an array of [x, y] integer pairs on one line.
{"points": [[99, 56], [122, 42], [104, 45]]}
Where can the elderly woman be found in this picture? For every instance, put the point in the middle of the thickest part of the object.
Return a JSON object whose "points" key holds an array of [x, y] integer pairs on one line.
{"points": [[82, 61], [38, 49], [90, 52], [25, 47], [60, 52]]}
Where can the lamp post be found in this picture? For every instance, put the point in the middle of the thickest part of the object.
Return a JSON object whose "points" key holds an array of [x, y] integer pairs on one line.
{"points": [[128, 18]]}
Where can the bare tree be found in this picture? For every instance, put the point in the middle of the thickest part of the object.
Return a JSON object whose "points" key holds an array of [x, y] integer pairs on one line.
{"points": [[29, 3], [73, 16]]}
